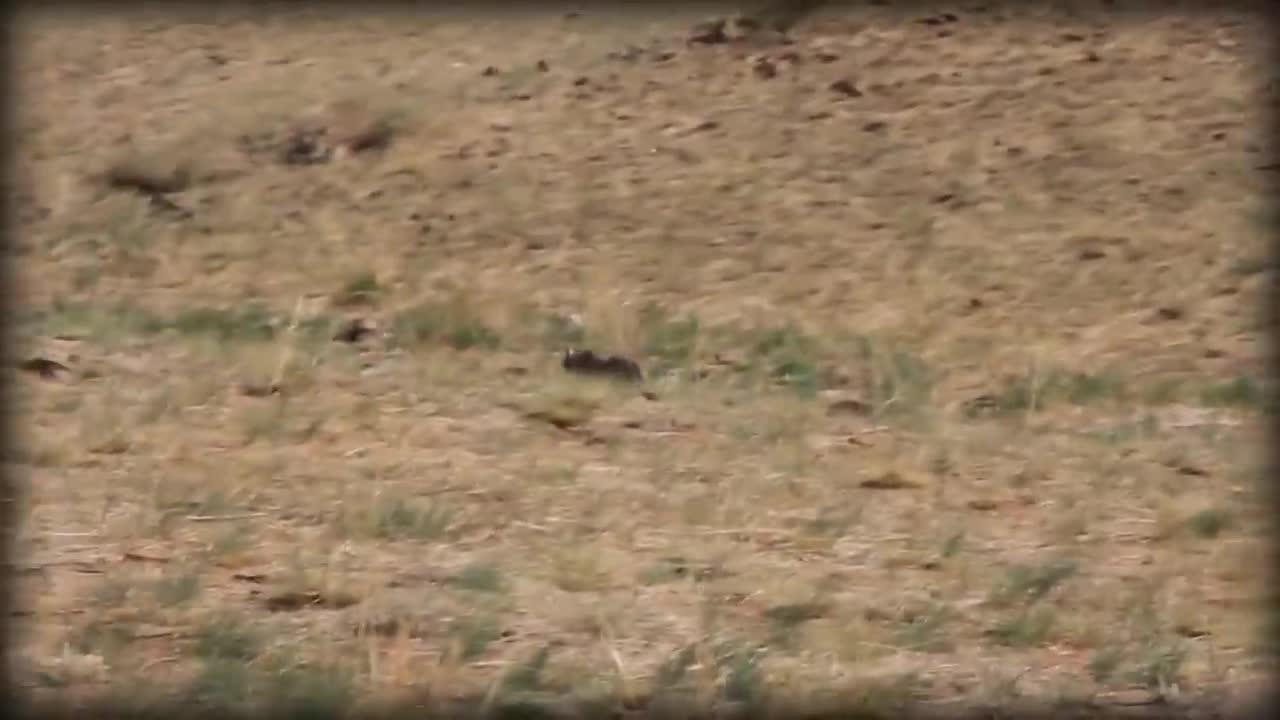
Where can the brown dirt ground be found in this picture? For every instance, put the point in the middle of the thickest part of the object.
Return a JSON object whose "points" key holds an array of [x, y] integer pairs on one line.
{"points": [[957, 373]]}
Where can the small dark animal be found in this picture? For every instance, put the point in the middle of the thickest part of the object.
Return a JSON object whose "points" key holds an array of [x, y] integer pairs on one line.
{"points": [[587, 362]]}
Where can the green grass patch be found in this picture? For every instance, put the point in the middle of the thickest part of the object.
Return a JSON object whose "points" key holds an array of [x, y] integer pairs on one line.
{"points": [[248, 323], [671, 341], [1026, 584], [480, 577], [1030, 627], [448, 323], [225, 638], [922, 629], [1210, 522], [1240, 392], [470, 637], [360, 289]]}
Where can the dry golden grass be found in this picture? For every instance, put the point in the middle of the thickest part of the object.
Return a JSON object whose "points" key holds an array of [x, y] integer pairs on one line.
{"points": [[958, 382]]}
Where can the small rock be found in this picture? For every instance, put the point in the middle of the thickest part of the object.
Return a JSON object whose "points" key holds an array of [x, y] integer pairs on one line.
{"points": [[1136, 696], [1091, 254], [373, 134], [849, 406], [294, 600], [983, 504], [149, 178], [305, 147], [561, 421], [542, 66], [845, 88], [630, 54], [764, 68], [711, 32], [1189, 631], [981, 404], [941, 19], [891, 480], [164, 204], [44, 367], [255, 578], [795, 613], [1169, 313], [489, 71], [258, 390], [354, 331], [875, 126]]}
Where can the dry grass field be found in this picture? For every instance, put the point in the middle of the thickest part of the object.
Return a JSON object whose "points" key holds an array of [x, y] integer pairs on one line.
{"points": [[952, 327]]}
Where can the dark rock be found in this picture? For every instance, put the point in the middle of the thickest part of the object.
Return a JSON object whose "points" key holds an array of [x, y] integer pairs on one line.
{"points": [[849, 406], [764, 68], [305, 147], [163, 204], [711, 32], [845, 88], [259, 390], [353, 331], [44, 367]]}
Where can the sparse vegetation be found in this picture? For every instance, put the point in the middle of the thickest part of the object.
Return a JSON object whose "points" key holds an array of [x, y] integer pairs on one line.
{"points": [[1028, 628], [1026, 584], [923, 629], [397, 518], [1241, 391], [360, 289], [449, 323], [927, 414], [177, 588], [1208, 523], [480, 577], [472, 636]]}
